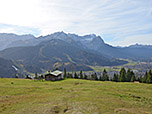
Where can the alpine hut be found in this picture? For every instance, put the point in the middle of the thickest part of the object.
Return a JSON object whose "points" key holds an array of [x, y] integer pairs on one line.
{"points": [[55, 75]]}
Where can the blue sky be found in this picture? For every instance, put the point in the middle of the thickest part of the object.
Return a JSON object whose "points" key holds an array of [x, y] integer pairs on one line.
{"points": [[118, 22]]}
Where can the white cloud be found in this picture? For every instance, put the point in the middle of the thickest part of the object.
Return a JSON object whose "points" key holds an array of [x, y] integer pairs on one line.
{"points": [[4, 28], [119, 18], [9, 30], [131, 40]]}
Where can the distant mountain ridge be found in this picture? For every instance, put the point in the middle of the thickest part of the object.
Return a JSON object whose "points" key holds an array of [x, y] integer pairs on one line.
{"points": [[7, 39], [13, 40], [56, 54], [72, 51], [140, 46], [87, 42]]}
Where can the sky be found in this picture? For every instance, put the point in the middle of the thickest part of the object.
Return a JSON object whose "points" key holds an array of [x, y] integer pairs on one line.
{"points": [[118, 22]]}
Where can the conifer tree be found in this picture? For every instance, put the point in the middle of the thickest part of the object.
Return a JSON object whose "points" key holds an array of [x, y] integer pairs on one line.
{"points": [[95, 76], [75, 75], [149, 78], [65, 74], [100, 78], [144, 79], [139, 79], [132, 73], [105, 76], [71, 75], [122, 75], [128, 76], [36, 76], [81, 75], [115, 78], [133, 78], [118, 77], [92, 76], [85, 76]]}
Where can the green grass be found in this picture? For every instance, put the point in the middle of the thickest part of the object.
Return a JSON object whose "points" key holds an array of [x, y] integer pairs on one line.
{"points": [[130, 62], [100, 68], [113, 68], [74, 96]]}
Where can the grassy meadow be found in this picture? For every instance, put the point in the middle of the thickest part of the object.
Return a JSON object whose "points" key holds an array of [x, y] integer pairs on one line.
{"points": [[74, 96], [114, 68]]}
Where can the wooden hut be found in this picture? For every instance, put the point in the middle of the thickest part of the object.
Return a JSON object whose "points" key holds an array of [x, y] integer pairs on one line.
{"points": [[55, 75]]}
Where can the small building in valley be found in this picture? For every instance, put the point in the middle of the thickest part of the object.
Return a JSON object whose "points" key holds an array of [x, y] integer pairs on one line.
{"points": [[53, 76]]}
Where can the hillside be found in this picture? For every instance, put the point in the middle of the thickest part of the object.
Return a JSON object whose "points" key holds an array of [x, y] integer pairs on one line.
{"points": [[74, 96], [57, 54], [6, 68]]}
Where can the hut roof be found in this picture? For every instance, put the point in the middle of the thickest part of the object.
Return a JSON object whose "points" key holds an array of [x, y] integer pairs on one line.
{"points": [[56, 72]]}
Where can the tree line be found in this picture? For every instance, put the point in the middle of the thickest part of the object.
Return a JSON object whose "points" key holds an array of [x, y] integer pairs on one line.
{"points": [[147, 77], [123, 76]]}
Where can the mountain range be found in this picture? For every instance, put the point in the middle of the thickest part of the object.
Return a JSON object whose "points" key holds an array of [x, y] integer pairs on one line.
{"points": [[60, 50]]}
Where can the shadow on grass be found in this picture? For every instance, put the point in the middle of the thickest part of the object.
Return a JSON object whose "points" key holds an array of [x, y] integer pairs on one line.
{"points": [[43, 80]]}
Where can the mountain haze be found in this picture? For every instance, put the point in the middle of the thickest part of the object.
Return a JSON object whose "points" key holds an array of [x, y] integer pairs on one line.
{"points": [[59, 50], [56, 53], [13, 40]]}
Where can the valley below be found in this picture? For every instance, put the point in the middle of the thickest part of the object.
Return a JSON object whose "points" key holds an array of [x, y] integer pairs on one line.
{"points": [[139, 68]]}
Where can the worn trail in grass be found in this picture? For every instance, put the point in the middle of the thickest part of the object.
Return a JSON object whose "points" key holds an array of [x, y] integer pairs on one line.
{"points": [[74, 96]]}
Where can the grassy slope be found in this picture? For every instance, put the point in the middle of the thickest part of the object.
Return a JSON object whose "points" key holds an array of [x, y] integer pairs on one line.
{"points": [[114, 68], [74, 96]]}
